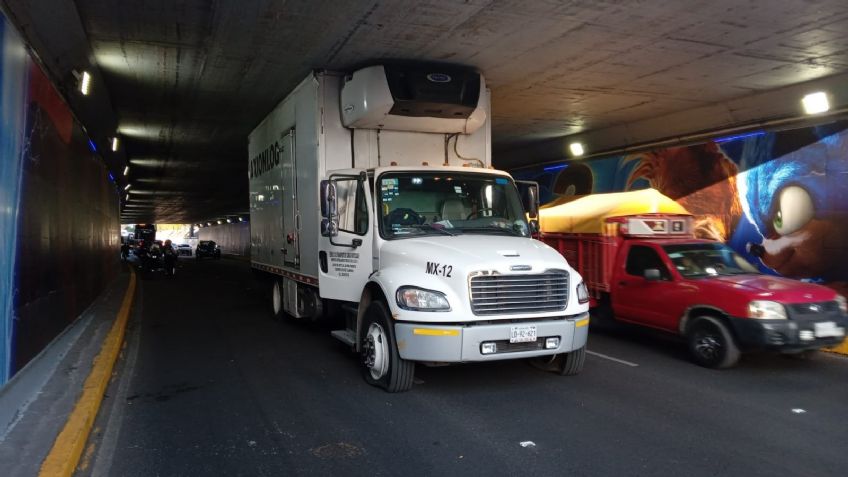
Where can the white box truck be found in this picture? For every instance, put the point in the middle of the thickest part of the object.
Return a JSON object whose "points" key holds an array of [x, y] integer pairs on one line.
{"points": [[373, 193]]}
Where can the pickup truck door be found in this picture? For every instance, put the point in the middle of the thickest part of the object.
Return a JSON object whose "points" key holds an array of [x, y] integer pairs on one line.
{"points": [[642, 301], [344, 261]]}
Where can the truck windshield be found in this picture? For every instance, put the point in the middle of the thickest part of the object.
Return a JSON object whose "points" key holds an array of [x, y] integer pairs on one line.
{"points": [[707, 259], [447, 203]]}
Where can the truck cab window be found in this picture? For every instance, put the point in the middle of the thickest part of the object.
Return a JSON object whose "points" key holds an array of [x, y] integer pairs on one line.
{"points": [[641, 258], [353, 210], [426, 203]]}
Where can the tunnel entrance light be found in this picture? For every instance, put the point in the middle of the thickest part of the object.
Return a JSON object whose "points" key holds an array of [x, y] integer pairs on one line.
{"points": [[815, 103], [114, 144], [576, 149], [85, 83]]}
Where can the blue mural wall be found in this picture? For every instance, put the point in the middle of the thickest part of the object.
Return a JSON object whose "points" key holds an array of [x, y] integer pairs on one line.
{"points": [[13, 93], [778, 198], [59, 228]]}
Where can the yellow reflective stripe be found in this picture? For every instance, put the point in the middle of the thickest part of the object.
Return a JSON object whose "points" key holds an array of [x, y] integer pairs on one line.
{"points": [[582, 323], [434, 332]]}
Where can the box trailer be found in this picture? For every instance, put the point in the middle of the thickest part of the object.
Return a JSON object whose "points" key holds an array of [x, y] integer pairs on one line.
{"points": [[643, 265], [373, 192]]}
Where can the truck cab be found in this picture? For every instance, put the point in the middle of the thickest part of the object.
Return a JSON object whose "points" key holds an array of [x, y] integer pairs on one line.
{"points": [[648, 269]]}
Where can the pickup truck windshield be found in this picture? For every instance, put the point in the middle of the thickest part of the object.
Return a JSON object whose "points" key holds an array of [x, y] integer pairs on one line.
{"points": [[707, 260], [439, 203]]}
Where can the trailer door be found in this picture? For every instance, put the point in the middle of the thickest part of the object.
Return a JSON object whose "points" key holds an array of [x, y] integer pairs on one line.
{"points": [[291, 213], [345, 260]]}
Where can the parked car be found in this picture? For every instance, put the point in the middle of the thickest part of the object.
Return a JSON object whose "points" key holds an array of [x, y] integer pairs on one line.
{"points": [[207, 248], [183, 249]]}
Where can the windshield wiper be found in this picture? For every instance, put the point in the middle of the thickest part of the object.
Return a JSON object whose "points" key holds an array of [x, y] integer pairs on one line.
{"points": [[494, 229], [433, 227]]}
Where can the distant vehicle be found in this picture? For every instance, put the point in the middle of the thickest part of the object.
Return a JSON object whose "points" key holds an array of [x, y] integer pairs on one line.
{"points": [[145, 233], [207, 248], [183, 249]]}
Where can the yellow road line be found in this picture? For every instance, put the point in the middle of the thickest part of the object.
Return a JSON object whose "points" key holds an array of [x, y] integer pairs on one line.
{"points": [[67, 449]]}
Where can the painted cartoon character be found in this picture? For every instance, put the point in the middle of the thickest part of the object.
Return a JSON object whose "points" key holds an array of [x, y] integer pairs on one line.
{"points": [[799, 204], [701, 178]]}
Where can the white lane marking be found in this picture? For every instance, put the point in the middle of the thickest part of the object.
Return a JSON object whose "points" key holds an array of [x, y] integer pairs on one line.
{"points": [[798, 410], [527, 444], [620, 361]]}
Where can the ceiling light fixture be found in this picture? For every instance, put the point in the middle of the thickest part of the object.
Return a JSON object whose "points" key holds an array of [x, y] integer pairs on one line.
{"points": [[85, 83], [576, 149], [127, 187], [126, 170], [815, 103], [114, 144]]}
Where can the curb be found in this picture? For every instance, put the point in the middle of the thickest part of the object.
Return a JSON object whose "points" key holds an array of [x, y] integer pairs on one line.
{"points": [[68, 447]]}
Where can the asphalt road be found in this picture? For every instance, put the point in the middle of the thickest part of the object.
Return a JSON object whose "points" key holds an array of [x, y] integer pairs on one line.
{"points": [[209, 384]]}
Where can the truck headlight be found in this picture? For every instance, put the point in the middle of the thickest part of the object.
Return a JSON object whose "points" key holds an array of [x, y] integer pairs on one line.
{"points": [[766, 310], [843, 305], [582, 293], [419, 299]]}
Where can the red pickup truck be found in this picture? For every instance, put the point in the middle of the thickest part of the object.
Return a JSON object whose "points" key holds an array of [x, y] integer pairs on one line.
{"points": [[648, 269]]}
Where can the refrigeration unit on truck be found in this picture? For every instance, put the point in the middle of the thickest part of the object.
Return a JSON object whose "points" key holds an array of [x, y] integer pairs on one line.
{"points": [[373, 192], [643, 265]]}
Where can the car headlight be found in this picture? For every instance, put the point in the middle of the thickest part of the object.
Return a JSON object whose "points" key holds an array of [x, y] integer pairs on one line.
{"points": [[419, 299], [582, 293], [843, 304], [766, 310]]}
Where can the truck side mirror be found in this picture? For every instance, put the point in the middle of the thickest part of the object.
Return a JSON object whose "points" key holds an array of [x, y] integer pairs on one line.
{"points": [[329, 207], [329, 227], [529, 198], [652, 274]]}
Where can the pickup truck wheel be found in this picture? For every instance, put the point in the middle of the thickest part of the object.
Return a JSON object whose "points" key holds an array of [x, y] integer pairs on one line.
{"points": [[382, 364], [571, 363], [277, 300], [711, 343]]}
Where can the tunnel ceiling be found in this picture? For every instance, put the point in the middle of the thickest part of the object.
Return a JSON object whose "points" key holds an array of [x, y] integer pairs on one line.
{"points": [[186, 81]]}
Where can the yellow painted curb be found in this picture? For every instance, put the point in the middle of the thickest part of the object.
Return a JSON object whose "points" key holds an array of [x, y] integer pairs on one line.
{"points": [[67, 449], [841, 349]]}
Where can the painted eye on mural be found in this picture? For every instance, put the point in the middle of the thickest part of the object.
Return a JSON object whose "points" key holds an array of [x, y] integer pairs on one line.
{"points": [[796, 209]]}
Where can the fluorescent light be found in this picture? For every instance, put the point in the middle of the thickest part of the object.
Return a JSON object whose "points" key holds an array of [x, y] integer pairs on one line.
{"points": [[815, 103], [85, 83], [128, 197], [220, 222], [114, 144], [576, 149], [127, 187], [126, 170]]}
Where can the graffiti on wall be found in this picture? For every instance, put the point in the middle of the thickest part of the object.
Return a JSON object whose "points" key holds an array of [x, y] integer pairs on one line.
{"points": [[779, 198]]}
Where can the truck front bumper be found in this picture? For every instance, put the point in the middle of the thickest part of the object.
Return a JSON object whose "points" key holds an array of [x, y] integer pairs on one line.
{"points": [[464, 342], [789, 335]]}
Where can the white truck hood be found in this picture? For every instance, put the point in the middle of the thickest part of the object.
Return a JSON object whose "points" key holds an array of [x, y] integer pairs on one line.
{"points": [[444, 264]]}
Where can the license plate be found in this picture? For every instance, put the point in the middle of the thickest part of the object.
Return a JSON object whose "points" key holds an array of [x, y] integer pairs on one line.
{"points": [[522, 333], [828, 328]]}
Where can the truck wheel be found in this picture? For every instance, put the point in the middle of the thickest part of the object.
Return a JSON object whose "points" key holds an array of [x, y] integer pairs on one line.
{"points": [[711, 343], [382, 364], [571, 363], [277, 300]]}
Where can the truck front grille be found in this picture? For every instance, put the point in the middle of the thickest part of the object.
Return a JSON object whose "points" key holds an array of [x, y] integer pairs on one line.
{"points": [[507, 294]]}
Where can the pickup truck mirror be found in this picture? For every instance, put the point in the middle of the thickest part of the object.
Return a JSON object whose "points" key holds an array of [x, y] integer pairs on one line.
{"points": [[652, 274], [329, 227], [329, 208], [529, 197], [534, 226]]}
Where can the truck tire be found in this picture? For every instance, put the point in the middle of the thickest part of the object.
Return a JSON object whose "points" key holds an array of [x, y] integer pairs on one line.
{"points": [[382, 364], [277, 309], [711, 343], [571, 364]]}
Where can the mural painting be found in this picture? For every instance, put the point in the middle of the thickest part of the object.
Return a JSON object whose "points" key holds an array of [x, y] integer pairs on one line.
{"points": [[778, 198]]}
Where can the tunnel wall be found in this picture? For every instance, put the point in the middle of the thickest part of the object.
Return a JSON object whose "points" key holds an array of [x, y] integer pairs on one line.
{"points": [[735, 186], [59, 226], [234, 239]]}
